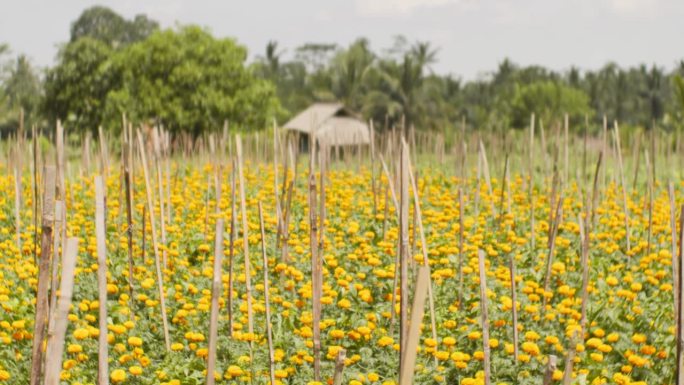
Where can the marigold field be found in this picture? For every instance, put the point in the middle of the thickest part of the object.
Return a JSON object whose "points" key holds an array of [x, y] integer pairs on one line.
{"points": [[630, 331]]}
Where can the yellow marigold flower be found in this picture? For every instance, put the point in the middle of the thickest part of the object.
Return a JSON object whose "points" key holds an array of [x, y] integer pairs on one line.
{"points": [[639, 338], [135, 370], [117, 376], [81, 333], [385, 340], [135, 341], [234, 371], [449, 341]]}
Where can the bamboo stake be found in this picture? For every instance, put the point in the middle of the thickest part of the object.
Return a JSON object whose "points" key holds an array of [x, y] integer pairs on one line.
{"points": [[102, 357], [485, 166], [17, 206], [59, 214], [316, 273], [673, 233], [485, 317], [55, 345], [550, 367], [215, 294], [339, 367], [679, 368], [616, 134], [514, 309], [408, 363], [269, 332], [245, 238], [419, 219], [36, 199], [552, 248], [127, 166], [403, 257], [461, 223], [231, 248], [42, 310], [162, 222], [150, 207]]}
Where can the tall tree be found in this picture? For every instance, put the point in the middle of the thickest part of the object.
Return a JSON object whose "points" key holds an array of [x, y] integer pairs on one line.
{"points": [[107, 26]]}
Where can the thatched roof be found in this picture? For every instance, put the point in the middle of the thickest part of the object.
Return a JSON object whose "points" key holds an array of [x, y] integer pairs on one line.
{"points": [[330, 123]]}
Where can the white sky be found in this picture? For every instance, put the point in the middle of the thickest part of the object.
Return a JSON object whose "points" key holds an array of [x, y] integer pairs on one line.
{"points": [[472, 35]]}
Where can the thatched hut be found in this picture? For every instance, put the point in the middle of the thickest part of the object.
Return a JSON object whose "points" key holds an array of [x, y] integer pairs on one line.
{"points": [[332, 124]]}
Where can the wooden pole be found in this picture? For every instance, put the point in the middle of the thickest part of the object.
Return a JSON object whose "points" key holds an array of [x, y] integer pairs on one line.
{"points": [[316, 273], [59, 214], [461, 223], [552, 248], [127, 166], [269, 332], [423, 243], [616, 134], [485, 317], [42, 310], [103, 356], [231, 247], [215, 295], [55, 345], [245, 237], [339, 367], [679, 368], [157, 262], [675, 260], [17, 205], [550, 368], [408, 363], [403, 257]]}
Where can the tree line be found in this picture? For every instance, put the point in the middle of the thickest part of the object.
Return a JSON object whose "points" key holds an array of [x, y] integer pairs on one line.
{"points": [[188, 80]]}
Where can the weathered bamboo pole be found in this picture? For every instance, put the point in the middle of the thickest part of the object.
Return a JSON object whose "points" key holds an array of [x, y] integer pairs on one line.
{"points": [[17, 206], [55, 344], [269, 332], [56, 236], [155, 247], [485, 165], [42, 311], [552, 248], [316, 273], [675, 260], [408, 362], [245, 237], [404, 251], [461, 224], [127, 166], [616, 134], [215, 295], [679, 368], [100, 230], [514, 308], [423, 244], [339, 367], [550, 368], [485, 317], [162, 220], [231, 247]]}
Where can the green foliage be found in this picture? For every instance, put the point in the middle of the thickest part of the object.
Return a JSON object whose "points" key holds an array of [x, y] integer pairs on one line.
{"points": [[105, 25], [679, 92], [548, 100], [20, 88], [76, 89], [184, 79], [188, 80]]}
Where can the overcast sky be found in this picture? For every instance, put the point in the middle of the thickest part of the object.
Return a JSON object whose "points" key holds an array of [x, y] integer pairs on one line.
{"points": [[472, 35]]}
